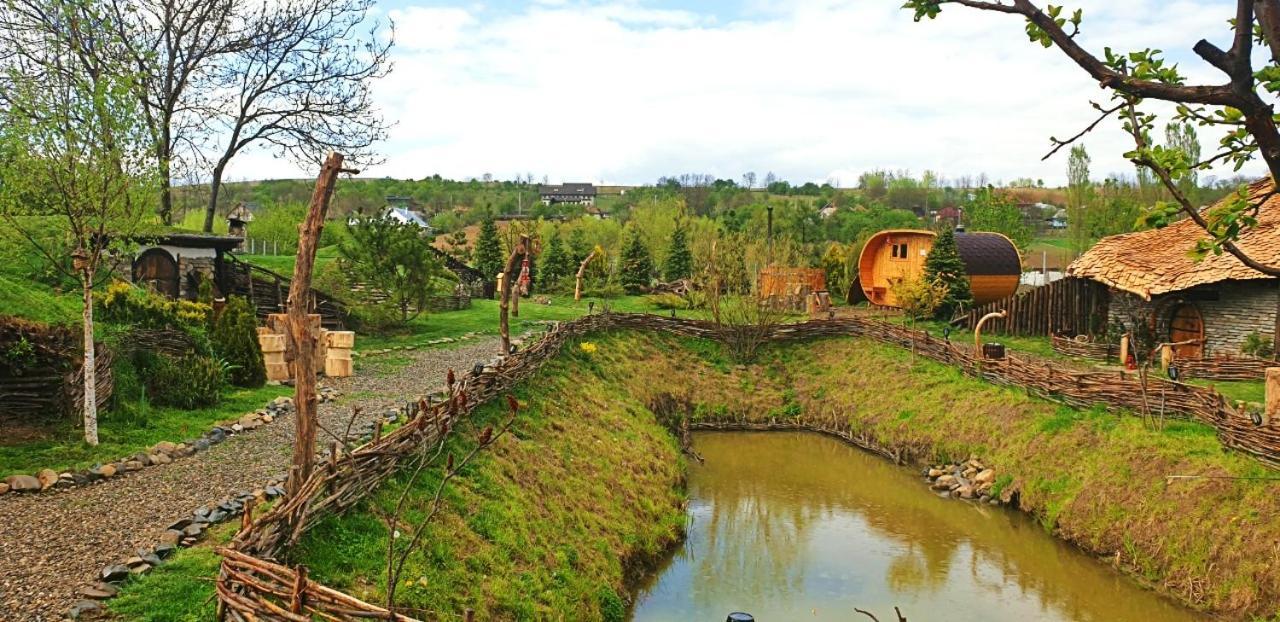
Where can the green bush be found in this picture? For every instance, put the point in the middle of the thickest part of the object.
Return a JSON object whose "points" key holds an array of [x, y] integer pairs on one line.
{"points": [[668, 301], [123, 303], [612, 609], [1259, 345], [235, 341], [188, 382]]}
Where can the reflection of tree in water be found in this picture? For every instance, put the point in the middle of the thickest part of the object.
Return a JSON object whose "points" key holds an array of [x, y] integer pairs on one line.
{"points": [[760, 495]]}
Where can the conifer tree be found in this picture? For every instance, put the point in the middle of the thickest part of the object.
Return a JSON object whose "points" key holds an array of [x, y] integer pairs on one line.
{"points": [[555, 263], [235, 339], [579, 248], [488, 252], [679, 260], [637, 265], [944, 265]]}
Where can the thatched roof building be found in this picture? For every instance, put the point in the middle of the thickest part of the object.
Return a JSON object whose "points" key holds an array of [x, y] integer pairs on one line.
{"points": [[1216, 300], [1158, 261]]}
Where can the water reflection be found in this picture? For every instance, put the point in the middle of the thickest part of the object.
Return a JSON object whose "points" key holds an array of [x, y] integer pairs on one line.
{"points": [[790, 525]]}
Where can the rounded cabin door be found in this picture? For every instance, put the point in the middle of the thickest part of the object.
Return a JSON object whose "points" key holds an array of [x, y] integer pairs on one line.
{"points": [[157, 269], [1187, 324]]}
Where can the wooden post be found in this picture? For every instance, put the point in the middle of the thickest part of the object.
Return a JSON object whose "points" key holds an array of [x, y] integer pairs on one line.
{"points": [[1272, 407], [1124, 350], [298, 597], [1166, 356], [504, 296], [577, 288], [301, 335], [977, 331]]}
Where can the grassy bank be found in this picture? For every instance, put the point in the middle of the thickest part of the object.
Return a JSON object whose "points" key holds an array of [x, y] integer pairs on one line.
{"points": [[543, 525], [1094, 478], [63, 447]]}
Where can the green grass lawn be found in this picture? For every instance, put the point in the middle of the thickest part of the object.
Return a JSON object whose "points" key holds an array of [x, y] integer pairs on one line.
{"points": [[482, 318], [283, 264], [181, 589], [1242, 390], [118, 436], [35, 301]]}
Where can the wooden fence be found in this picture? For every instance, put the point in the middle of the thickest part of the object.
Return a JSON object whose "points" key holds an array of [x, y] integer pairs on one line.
{"points": [[252, 587], [1209, 368], [1067, 306]]}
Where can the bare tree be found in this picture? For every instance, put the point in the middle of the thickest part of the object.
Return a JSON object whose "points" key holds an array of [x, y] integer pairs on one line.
{"points": [[174, 46], [1238, 105], [301, 85], [749, 179]]}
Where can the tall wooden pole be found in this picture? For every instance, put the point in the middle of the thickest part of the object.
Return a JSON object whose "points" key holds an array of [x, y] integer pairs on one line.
{"points": [[302, 341], [582, 270], [504, 297]]}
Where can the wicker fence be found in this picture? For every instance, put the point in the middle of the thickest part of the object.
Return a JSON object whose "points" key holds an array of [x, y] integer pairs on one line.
{"points": [[252, 586], [1210, 368]]}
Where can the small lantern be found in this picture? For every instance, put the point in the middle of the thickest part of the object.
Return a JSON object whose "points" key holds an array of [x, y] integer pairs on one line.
{"points": [[79, 259]]}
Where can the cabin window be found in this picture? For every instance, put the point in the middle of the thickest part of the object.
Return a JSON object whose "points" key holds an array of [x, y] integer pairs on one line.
{"points": [[899, 251]]}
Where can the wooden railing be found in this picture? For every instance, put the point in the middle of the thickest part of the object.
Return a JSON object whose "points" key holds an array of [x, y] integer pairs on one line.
{"points": [[269, 291]]}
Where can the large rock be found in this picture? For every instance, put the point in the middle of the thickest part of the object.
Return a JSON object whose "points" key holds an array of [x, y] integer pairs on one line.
{"points": [[47, 477], [98, 591], [104, 471], [163, 447], [965, 492], [944, 482], [114, 573], [986, 476], [85, 610], [161, 458], [3, 488], [22, 483]]}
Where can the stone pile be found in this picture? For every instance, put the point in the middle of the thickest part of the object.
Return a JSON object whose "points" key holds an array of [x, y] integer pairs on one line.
{"points": [[163, 452], [970, 480], [183, 532]]}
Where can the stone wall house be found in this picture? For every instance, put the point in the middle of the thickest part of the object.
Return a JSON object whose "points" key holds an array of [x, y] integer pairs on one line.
{"points": [[1214, 304], [175, 264]]}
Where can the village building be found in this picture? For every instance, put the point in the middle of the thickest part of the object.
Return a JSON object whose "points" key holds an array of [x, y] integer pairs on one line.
{"points": [[238, 220], [582, 194], [175, 264], [1215, 302]]}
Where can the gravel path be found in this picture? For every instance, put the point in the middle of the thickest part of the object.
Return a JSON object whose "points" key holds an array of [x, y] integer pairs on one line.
{"points": [[53, 543]]}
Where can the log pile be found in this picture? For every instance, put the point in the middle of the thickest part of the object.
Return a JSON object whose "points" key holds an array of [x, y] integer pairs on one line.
{"points": [[251, 588]]}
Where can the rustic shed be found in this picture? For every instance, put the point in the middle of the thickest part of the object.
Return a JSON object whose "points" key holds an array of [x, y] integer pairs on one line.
{"points": [[990, 259], [1215, 302], [174, 264]]}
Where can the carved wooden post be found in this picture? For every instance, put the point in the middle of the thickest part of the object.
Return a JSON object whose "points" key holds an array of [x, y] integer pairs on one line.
{"points": [[300, 334], [504, 297], [577, 287], [1272, 396]]}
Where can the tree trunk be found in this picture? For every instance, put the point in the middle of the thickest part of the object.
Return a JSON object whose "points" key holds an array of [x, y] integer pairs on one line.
{"points": [[166, 170], [90, 369], [582, 269], [504, 297], [302, 341], [214, 188]]}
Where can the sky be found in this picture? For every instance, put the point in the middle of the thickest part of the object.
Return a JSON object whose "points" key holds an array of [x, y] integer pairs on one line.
{"points": [[627, 91]]}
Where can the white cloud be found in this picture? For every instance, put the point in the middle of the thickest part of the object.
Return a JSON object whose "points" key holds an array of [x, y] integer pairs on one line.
{"points": [[811, 90]]}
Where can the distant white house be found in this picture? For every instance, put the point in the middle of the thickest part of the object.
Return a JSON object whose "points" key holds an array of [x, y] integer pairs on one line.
{"points": [[583, 194], [828, 210], [406, 216], [1058, 220]]}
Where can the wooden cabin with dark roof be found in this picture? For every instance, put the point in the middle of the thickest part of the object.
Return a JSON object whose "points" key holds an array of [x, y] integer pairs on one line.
{"points": [[1215, 302], [890, 257]]}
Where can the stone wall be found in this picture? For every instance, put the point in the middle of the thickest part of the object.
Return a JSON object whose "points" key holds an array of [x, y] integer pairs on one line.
{"points": [[1232, 310], [188, 266]]}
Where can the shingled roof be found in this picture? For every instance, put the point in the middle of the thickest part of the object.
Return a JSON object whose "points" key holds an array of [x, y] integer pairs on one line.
{"points": [[1159, 261]]}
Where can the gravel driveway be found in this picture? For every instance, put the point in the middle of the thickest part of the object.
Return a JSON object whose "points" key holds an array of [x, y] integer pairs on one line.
{"points": [[53, 543]]}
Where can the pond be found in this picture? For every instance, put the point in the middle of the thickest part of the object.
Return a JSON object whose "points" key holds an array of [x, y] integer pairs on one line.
{"points": [[791, 526]]}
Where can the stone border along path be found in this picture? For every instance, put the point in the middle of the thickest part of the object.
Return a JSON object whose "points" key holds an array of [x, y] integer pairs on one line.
{"points": [[55, 546]]}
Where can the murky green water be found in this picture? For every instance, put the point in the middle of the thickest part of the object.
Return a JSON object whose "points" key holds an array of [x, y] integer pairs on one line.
{"points": [[803, 527]]}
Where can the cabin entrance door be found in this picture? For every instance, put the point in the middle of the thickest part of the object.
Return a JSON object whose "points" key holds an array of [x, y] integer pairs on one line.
{"points": [[157, 269], [1186, 324]]}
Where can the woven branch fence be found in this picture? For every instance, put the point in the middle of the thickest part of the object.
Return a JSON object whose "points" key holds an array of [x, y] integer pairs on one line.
{"points": [[1210, 368], [253, 585]]}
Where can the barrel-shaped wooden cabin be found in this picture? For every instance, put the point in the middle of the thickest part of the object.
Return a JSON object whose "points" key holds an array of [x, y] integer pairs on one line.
{"points": [[990, 259]]}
